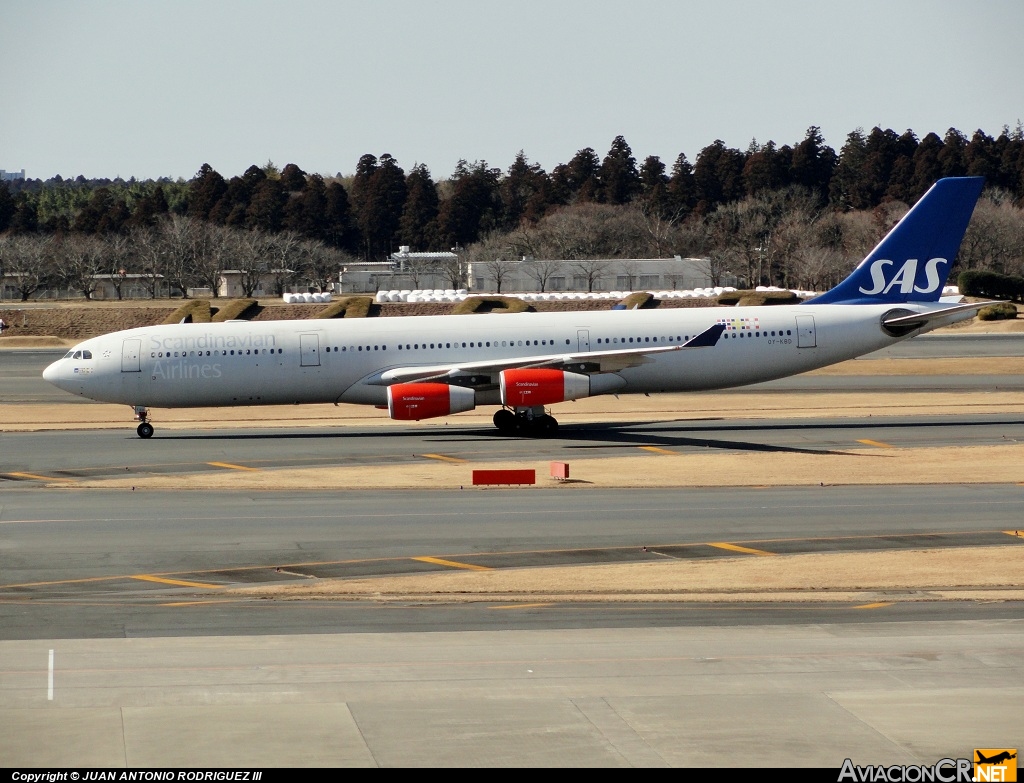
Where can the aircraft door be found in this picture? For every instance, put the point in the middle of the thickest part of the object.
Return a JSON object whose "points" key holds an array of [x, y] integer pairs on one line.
{"points": [[309, 350], [131, 351], [805, 334], [583, 335]]}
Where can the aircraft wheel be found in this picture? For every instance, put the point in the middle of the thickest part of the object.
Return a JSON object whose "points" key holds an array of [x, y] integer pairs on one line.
{"points": [[504, 420], [145, 430], [547, 426]]}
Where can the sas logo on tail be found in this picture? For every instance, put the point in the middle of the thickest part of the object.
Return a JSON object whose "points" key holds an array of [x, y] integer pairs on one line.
{"points": [[905, 278]]}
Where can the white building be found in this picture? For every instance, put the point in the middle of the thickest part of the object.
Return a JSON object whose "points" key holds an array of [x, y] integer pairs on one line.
{"points": [[597, 274], [10, 176], [404, 269], [444, 270]]}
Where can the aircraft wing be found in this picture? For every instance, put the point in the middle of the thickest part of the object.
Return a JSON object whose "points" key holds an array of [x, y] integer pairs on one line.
{"points": [[583, 362]]}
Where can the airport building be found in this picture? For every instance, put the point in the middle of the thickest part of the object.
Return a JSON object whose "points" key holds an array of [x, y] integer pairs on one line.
{"points": [[444, 270]]}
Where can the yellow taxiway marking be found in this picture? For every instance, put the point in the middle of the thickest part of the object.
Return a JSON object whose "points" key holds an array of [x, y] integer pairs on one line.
{"points": [[522, 606], [737, 548], [452, 563], [41, 478], [658, 450], [178, 582], [875, 605], [229, 465], [877, 443], [444, 458]]}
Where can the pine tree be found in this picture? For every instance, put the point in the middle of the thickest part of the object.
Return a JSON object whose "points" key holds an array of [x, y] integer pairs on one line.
{"points": [[813, 162], [7, 206], [577, 179], [293, 179], [618, 178], [205, 191], [523, 192], [418, 225], [473, 208]]}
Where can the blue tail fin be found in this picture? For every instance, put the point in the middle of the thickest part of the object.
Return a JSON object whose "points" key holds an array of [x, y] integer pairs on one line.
{"points": [[912, 261]]}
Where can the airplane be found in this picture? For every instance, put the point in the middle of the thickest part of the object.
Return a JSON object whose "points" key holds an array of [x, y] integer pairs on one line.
{"points": [[996, 759], [419, 367]]}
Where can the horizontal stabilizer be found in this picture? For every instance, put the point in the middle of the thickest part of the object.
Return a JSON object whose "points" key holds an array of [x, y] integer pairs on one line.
{"points": [[920, 319]]}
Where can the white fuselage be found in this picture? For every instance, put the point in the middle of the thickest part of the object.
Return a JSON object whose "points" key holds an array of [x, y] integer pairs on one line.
{"points": [[318, 361]]}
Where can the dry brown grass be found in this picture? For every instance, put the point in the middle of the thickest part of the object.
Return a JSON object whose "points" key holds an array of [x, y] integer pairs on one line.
{"points": [[964, 573]]}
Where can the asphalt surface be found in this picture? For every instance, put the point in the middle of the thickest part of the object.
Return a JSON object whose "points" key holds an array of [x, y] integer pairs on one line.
{"points": [[118, 591], [101, 563]]}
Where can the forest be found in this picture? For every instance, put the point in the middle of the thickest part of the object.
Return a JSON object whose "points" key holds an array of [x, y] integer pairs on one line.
{"points": [[795, 216]]}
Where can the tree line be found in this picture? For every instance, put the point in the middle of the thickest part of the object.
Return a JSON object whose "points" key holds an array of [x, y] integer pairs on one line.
{"points": [[787, 215]]}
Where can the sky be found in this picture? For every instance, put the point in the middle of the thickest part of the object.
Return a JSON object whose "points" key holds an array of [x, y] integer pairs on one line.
{"points": [[123, 88]]}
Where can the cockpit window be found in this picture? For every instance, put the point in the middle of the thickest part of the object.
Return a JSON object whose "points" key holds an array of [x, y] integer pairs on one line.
{"points": [[86, 354], [78, 355], [69, 354]]}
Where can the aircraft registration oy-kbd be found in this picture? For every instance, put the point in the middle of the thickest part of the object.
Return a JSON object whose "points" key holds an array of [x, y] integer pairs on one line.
{"points": [[420, 367]]}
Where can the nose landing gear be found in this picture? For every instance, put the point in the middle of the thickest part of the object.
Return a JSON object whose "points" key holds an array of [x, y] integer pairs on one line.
{"points": [[145, 429]]}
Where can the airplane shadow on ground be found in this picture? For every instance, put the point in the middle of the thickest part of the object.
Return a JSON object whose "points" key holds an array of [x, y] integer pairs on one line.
{"points": [[682, 434]]}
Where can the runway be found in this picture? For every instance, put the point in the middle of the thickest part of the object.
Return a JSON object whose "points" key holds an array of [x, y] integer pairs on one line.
{"points": [[152, 667]]}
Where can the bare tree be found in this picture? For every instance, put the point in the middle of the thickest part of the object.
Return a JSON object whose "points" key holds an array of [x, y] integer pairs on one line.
{"points": [[209, 244], [717, 265], [119, 255], [419, 269], [148, 249], [661, 230], [454, 270], [80, 263], [179, 239], [591, 270], [285, 250], [496, 257], [995, 236], [541, 271], [28, 261], [255, 255], [321, 263], [628, 268]]}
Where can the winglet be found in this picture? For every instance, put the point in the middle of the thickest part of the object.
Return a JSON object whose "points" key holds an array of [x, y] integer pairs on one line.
{"points": [[706, 339]]}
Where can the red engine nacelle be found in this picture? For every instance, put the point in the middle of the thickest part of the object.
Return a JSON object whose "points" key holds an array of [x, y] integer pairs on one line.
{"points": [[528, 388], [415, 401]]}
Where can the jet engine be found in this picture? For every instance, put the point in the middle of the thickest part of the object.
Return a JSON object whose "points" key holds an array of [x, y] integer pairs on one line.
{"points": [[415, 401], [529, 388]]}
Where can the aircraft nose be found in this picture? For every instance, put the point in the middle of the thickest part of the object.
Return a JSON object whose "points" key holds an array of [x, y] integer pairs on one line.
{"points": [[52, 373]]}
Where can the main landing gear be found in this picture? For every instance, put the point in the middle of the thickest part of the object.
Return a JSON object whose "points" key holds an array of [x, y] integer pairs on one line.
{"points": [[532, 422], [145, 429]]}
